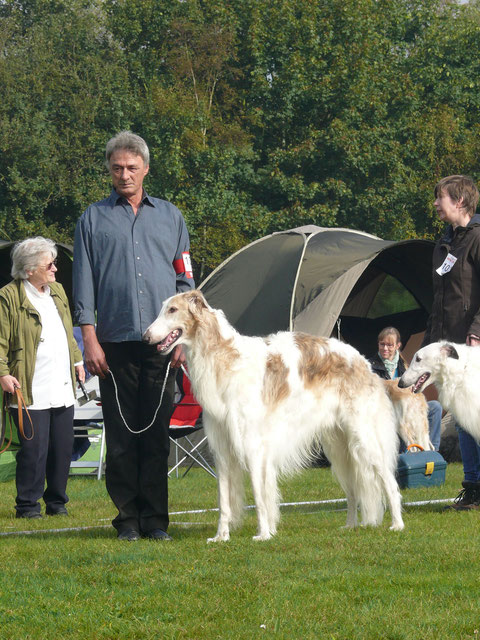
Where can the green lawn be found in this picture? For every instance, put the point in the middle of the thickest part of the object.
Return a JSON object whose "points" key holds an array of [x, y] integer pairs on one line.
{"points": [[313, 580]]}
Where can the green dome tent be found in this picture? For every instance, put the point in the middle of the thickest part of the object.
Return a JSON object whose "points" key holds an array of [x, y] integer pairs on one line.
{"points": [[325, 282]]}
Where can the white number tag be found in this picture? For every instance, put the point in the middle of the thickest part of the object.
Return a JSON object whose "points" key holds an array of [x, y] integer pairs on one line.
{"points": [[447, 265], [187, 264]]}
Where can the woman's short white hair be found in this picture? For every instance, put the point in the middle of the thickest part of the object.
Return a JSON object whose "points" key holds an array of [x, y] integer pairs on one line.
{"points": [[127, 141], [27, 255]]}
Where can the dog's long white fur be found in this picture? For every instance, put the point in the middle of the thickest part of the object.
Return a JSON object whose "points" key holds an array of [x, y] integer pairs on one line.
{"points": [[455, 371], [268, 402]]}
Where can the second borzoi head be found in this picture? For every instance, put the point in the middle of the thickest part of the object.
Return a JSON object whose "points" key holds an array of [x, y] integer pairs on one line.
{"points": [[428, 366], [455, 371]]}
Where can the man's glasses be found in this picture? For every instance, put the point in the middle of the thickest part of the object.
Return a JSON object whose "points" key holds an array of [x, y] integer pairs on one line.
{"points": [[51, 264]]}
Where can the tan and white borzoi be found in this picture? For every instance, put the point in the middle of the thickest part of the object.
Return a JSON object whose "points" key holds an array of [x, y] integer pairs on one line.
{"points": [[267, 402], [455, 371]]}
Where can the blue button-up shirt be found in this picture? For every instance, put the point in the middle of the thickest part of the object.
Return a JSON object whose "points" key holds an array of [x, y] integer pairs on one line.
{"points": [[123, 265]]}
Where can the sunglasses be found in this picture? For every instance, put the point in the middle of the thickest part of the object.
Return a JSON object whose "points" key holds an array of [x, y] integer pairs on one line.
{"points": [[51, 264]]}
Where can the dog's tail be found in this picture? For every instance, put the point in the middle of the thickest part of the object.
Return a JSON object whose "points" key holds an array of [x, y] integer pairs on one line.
{"points": [[369, 489], [376, 466], [368, 469], [352, 465], [370, 496]]}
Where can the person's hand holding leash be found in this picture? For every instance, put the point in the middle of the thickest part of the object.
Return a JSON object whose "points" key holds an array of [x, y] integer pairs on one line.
{"points": [[9, 383], [178, 357]]}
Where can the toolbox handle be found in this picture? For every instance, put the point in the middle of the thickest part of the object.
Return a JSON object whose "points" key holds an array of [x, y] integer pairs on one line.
{"points": [[411, 446]]}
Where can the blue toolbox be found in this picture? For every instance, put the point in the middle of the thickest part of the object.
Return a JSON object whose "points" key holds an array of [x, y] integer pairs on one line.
{"points": [[420, 469]]}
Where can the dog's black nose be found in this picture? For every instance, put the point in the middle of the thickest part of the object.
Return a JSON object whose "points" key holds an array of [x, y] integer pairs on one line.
{"points": [[402, 384]]}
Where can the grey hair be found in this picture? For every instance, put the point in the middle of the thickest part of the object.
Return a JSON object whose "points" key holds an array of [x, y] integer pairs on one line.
{"points": [[127, 141], [27, 254]]}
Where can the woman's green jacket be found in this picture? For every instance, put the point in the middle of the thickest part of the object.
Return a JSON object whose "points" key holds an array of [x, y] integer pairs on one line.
{"points": [[20, 329]]}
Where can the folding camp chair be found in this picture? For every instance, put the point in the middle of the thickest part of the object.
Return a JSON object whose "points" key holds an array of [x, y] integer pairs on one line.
{"points": [[88, 429], [186, 420]]}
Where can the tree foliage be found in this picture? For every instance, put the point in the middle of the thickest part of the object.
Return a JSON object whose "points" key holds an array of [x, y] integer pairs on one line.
{"points": [[260, 114]]}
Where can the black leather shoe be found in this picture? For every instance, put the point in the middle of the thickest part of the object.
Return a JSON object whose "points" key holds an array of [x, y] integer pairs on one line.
{"points": [[56, 511], [157, 534], [129, 534], [29, 514]]}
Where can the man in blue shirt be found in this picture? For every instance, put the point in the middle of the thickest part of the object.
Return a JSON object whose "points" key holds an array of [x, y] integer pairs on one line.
{"points": [[131, 252]]}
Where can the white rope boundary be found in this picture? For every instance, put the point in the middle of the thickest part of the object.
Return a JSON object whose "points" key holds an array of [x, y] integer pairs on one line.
{"points": [[418, 503]]}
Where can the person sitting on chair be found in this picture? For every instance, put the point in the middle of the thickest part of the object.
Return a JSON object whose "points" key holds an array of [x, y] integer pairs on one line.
{"points": [[388, 363]]}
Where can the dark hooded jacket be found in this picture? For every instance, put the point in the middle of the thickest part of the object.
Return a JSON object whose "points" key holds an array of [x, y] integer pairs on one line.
{"points": [[379, 368], [456, 294]]}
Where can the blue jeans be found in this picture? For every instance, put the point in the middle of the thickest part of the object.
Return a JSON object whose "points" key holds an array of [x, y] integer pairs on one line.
{"points": [[435, 423], [470, 450]]}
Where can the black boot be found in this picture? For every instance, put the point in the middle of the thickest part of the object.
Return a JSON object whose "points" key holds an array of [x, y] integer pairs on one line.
{"points": [[468, 498]]}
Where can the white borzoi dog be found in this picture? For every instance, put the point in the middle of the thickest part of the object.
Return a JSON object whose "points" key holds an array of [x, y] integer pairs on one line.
{"points": [[268, 402], [455, 371], [411, 413]]}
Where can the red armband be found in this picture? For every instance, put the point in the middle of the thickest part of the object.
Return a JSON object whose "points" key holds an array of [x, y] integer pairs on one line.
{"points": [[183, 265]]}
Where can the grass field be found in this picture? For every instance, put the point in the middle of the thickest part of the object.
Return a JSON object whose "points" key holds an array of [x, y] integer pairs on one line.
{"points": [[313, 580]]}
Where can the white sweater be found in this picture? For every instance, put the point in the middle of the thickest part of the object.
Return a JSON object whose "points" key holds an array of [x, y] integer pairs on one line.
{"points": [[52, 382]]}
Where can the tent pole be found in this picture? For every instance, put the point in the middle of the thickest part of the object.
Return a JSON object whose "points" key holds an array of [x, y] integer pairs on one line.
{"points": [[297, 275]]}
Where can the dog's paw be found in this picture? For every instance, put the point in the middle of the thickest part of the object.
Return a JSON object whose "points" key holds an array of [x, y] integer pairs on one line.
{"points": [[262, 536], [399, 526], [219, 538]]}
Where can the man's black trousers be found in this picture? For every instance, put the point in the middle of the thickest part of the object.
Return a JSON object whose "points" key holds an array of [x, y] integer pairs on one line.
{"points": [[137, 464]]}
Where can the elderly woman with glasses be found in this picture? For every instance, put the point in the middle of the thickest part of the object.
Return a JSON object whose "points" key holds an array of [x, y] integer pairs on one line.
{"points": [[39, 356], [388, 363]]}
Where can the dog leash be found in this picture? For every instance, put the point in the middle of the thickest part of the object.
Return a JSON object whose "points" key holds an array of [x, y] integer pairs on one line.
{"points": [[21, 404], [159, 403]]}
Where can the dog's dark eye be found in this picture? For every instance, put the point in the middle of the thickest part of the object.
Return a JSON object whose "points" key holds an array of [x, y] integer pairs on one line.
{"points": [[418, 359], [172, 310]]}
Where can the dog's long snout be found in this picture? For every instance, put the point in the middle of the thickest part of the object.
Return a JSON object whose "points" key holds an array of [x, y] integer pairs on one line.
{"points": [[147, 337], [402, 384]]}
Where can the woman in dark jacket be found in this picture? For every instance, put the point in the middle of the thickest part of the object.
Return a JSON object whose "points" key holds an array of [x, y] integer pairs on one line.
{"points": [[456, 303], [388, 363]]}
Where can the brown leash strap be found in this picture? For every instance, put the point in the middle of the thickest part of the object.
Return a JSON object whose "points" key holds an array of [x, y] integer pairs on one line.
{"points": [[21, 404]]}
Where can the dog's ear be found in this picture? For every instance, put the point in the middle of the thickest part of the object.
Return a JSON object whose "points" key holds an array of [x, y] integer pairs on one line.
{"points": [[450, 351], [196, 302]]}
